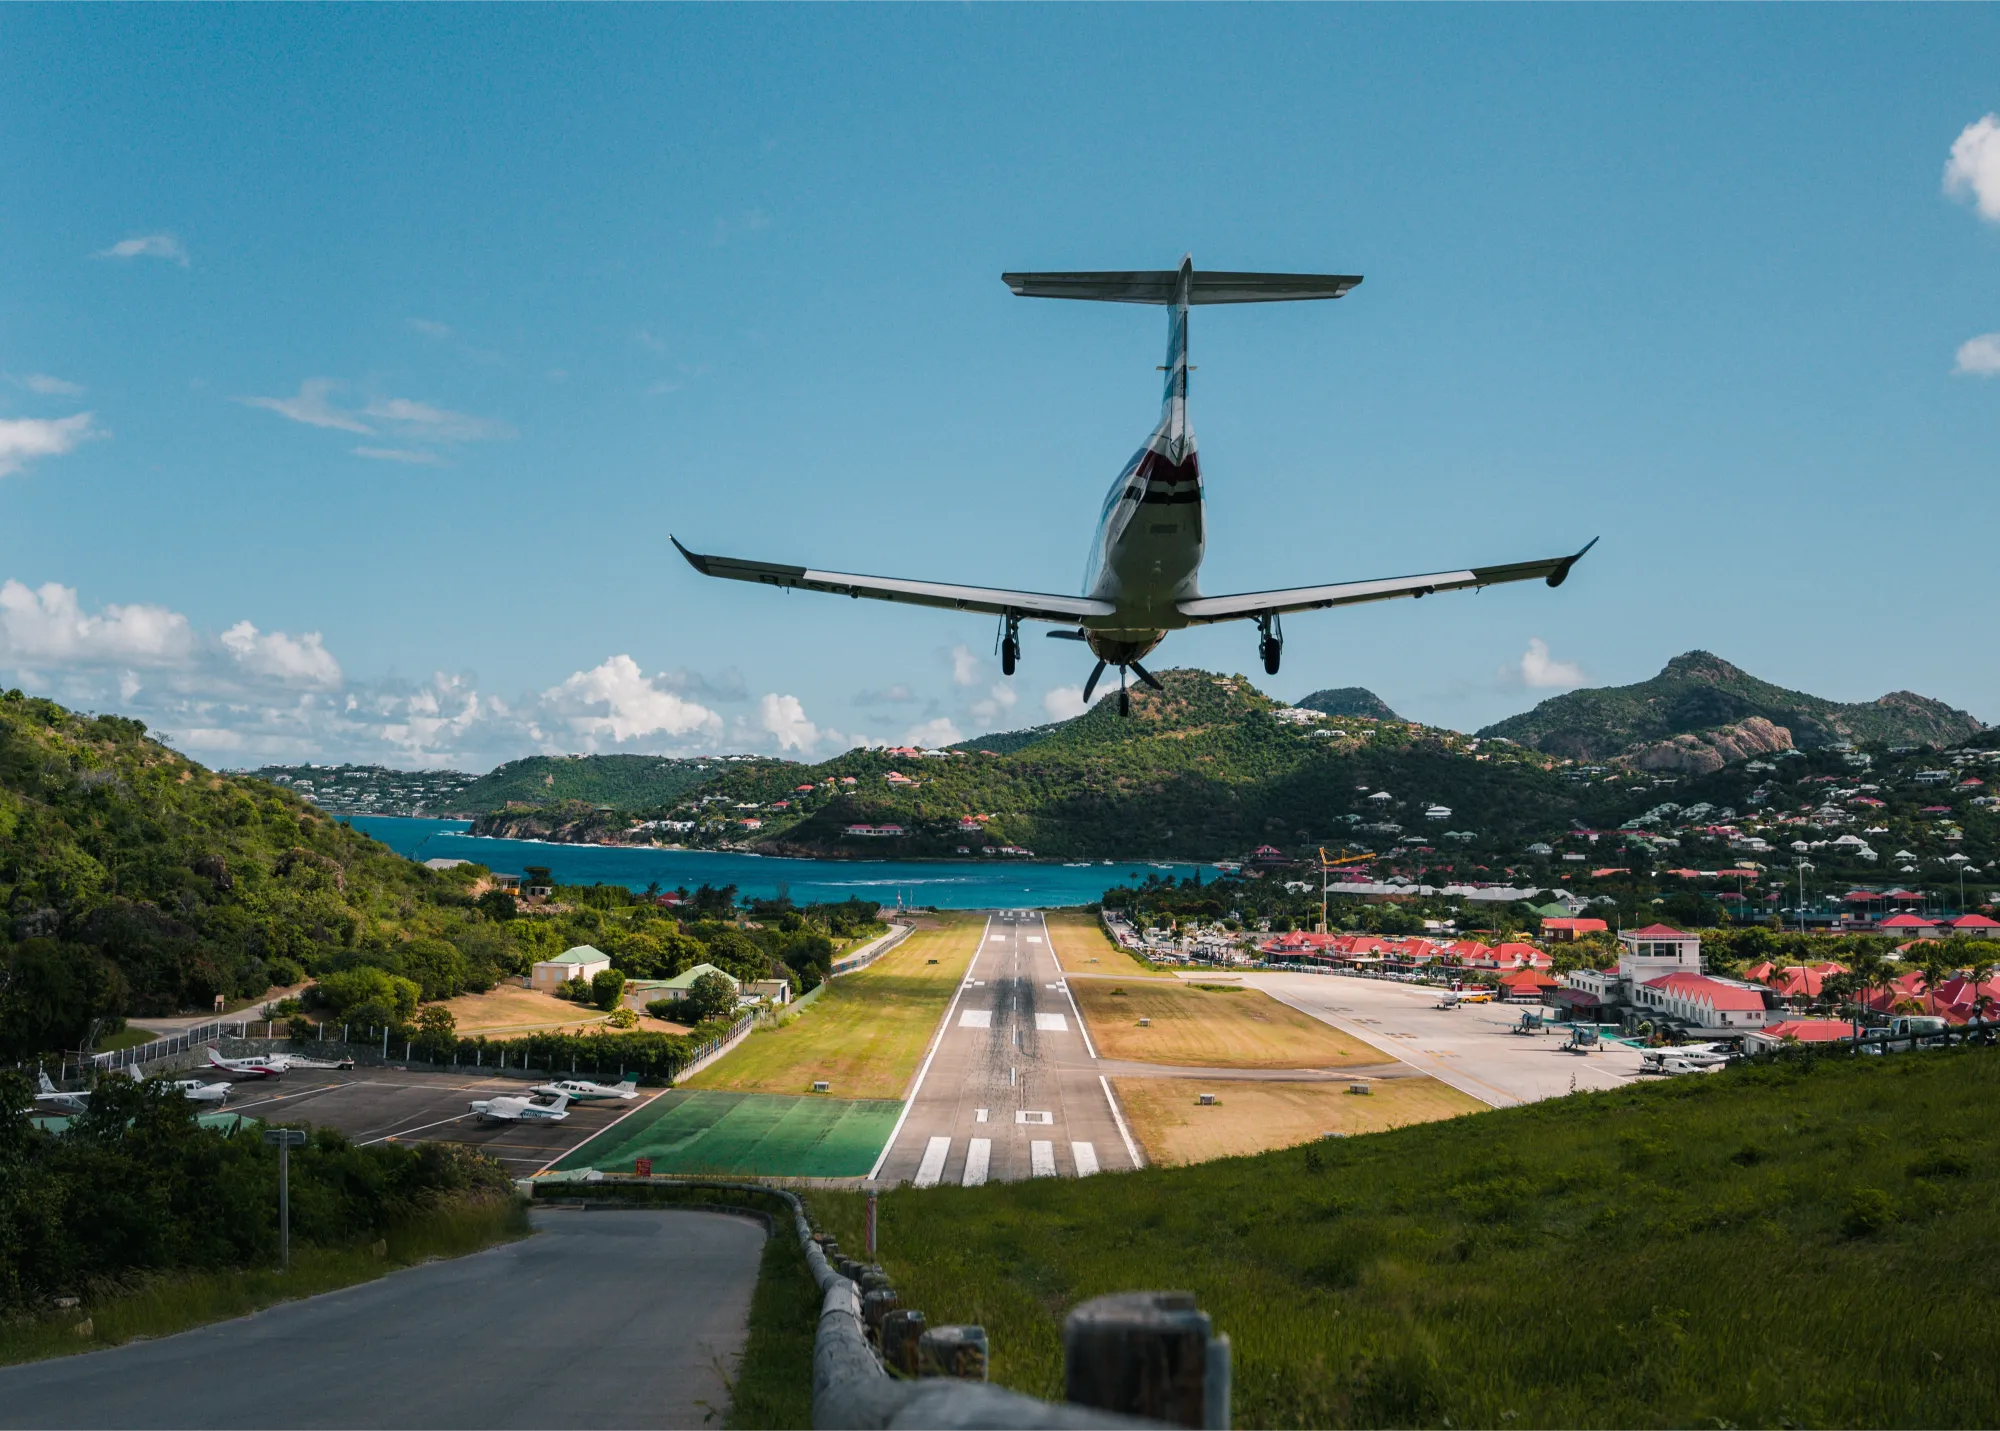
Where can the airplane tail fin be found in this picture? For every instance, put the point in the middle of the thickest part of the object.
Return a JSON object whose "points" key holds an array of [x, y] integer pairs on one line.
{"points": [[47, 1085]]}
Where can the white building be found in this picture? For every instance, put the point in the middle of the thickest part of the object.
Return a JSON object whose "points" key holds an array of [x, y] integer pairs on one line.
{"points": [[584, 962]]}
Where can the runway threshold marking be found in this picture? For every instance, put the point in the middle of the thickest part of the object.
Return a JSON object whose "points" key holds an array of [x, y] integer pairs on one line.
{"points": [[975, 1018], [1041, 1159], [978, 1158], [916, 1088], [1086, 1158], [1051, 1023], [932, 1167]]}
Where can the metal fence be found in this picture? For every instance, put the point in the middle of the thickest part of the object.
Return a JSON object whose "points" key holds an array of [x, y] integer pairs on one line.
{"points": [[173, 1045]]}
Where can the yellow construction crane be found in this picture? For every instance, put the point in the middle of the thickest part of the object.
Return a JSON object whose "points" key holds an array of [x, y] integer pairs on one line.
{"points": [[1326, 864]]}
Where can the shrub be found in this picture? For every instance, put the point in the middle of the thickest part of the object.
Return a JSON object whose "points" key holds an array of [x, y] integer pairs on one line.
{"points": [[623, 1019], [342, 993], [668, 1009], [606, 988], [710, 996], [577, 989]]}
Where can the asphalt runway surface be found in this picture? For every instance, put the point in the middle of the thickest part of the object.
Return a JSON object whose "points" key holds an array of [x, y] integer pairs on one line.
{"points": [[373, 1105], [1013, 1088], [614, 1318]]}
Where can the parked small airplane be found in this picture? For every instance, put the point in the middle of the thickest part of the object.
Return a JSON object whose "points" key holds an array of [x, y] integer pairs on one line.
{"points": [[1142, 580], [515, 1109], [582, 1090], [1687, 1058], [53, 1099], [272, 1065], [198, 1092]]}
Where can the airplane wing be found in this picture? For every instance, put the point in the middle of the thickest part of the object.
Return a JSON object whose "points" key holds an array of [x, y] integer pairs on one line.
{"points": [[1033, 605], [1205, 610]]}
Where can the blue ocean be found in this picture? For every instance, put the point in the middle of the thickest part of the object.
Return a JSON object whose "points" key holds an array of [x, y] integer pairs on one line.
{"points": [[986, 884]]}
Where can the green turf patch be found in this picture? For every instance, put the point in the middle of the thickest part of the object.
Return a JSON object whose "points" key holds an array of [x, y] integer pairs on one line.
{"points": [[761, 1134]]}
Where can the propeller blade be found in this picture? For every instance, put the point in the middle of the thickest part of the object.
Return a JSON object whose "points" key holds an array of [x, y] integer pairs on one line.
{"points": [[1068, 635], [1091, 684], [1147, 676]]}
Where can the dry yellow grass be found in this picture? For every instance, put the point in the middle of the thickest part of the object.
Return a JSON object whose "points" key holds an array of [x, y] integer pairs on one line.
{"points": [[1082, 947], [1199, 1028], [1173, 1127], [509, 1009], [866, 1034]]}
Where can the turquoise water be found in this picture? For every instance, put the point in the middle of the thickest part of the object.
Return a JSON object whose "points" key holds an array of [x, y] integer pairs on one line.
{"points": [[980, 884]]}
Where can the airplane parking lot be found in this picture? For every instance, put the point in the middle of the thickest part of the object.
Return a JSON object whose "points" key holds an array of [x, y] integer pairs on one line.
{"points": [[379, 1105]]}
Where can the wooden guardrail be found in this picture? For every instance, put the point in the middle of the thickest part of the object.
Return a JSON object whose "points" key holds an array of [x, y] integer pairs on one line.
{"points": [[1131, 1359]]}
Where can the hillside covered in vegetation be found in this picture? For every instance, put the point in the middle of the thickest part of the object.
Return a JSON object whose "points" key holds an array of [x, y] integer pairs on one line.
{"points": [[1348, 701], [624, 782], [1699, 692]]}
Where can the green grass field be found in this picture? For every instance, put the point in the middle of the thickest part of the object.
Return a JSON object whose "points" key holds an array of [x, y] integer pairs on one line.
{"points": [[744, 1134], [867, 1032], [1794, 1244], [1082, 947]]}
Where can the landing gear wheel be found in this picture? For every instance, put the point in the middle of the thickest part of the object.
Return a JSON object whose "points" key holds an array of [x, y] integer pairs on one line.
{"points": [[1124, 702], [1010, 655], [1270, 642]]}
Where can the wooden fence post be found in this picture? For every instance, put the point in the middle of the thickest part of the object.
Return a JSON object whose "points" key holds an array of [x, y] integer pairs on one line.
{"points": [[1147, 1354]]}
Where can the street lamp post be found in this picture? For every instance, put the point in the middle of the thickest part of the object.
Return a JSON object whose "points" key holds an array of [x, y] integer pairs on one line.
{"points": [[285, 1139]]}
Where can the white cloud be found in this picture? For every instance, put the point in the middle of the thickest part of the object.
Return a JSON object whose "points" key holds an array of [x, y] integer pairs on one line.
{"points": [[311, 407], [22, 439], [1979, 356], [429, 327], [302, 660], [48, 624], [1541, 671], [210, 738], [933, 733], [616, 701], [964, 667], [49, 387], [1000, 700], [1064, 703], [423, 421], [785, 719], [148, 246], [411, 455], [1974, 166], [897, 695]]}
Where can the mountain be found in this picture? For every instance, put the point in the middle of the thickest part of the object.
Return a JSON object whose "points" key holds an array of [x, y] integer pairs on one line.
{"points": [[1348, 701], [1701, 693], [1210, 768], [624, 782]]}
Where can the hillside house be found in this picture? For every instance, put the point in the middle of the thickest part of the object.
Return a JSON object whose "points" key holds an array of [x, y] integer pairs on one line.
{"points": [[583, 962], [641, 992]]}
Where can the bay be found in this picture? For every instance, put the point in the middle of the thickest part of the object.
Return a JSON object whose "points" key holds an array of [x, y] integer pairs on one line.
{"points": [[944, 884]]}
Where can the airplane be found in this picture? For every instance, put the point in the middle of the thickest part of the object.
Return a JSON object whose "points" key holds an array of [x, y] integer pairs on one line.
{"points": [[1142, 581], [515, 1109], [582, 1089], [1688, 1058], [58, 1101], [274, 1065], [198, 1092]]}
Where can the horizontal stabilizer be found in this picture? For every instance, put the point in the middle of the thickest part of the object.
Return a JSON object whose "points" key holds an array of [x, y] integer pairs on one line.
{"points": [[1157, 286]]}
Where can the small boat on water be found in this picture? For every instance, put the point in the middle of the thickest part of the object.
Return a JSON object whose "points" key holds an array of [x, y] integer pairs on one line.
{"points": [[1076, 864]]}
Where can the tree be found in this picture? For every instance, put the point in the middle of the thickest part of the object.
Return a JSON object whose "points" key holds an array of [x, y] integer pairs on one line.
{"points": [[437, 1033], [709, 997], [498, 904], [577, 989], [607, 986]]}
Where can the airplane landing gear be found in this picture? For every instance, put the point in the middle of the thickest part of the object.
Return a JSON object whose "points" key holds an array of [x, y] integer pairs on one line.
{"points": [[1270, 642], [1010, 645]]}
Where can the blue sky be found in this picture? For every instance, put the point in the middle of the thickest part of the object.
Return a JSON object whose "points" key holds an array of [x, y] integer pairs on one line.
{"points": [[358, 362]]}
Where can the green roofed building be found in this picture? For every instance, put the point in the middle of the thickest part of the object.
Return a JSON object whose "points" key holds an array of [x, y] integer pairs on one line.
{"points": [[583, 962]]}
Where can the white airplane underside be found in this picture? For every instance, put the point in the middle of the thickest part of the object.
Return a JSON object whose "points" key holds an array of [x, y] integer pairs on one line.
{"points": [[1142, 580]]}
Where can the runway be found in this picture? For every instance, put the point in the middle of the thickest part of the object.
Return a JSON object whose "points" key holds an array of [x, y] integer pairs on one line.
{"points": [[1012, 1088], [603, 1318]]}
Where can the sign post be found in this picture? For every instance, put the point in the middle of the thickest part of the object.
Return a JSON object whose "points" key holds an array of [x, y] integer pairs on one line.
{"points": [[871, 1224], [285, 1139], [642, 1167]]}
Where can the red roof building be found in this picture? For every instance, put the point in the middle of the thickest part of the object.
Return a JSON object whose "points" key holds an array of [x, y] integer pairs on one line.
{"points": [[1800, 1031], [1909, 925], [1704, 1002], [1570, 928], [1975, 926]]}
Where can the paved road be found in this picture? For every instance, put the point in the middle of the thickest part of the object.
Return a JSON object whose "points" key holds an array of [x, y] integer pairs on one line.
{"points": [[1469, 1047], [1013, 1088], [621, 1318]]}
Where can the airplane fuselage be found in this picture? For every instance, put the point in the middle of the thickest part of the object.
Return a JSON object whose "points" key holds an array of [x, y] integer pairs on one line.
{"points": [[1146, 557]]}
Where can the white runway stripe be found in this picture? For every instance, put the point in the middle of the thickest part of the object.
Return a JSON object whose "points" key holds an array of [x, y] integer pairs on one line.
{"points": [[932, 1167], [1042, 1159], [1051, 1023], [978, 1158], [976, 1019], [1086, 1158]]}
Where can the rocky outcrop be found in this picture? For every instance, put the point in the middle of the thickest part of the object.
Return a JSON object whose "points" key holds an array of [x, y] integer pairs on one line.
{"points": [[1706, 751]]}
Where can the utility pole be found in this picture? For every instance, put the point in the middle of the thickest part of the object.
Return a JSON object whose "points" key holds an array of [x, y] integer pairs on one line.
{"points": [[285, 1139]]}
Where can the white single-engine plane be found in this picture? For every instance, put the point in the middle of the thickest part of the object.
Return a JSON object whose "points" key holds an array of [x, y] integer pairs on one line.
{"points": [[272, 1065], [1142, 579], [582, 1090], [52, 1099], [515, 1109]]}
